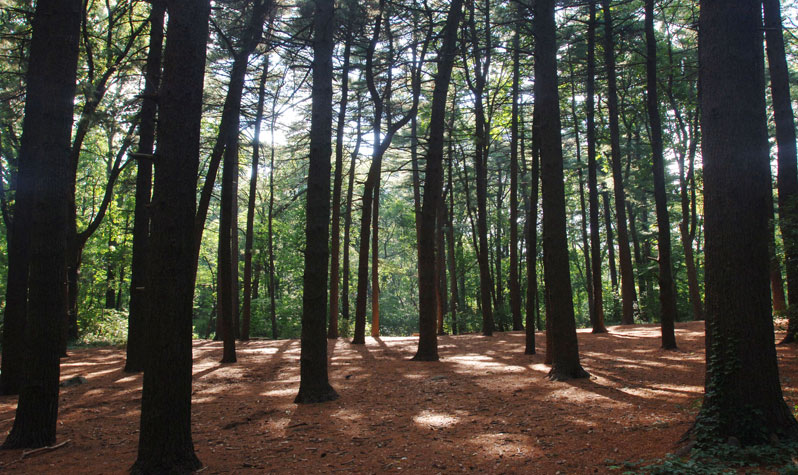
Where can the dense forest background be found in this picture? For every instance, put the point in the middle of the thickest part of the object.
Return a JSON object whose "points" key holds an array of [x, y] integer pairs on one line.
{"points": [[275, 111]]}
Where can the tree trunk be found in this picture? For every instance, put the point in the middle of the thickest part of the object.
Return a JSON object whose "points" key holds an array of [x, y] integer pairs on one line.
{"points": [[481, 69], [559, 298], [605, 198], [348, 220], [743, 397], [246, 308], [40, 223], [787, 156], [165, 443], [582, 208], [270, 230], [440, 260], [667, 288], [532, 307], [776, 282], [228, 125], [628, 296], [592, 177], [433, 181], [335, 226], [515, 288], [314, 385]]}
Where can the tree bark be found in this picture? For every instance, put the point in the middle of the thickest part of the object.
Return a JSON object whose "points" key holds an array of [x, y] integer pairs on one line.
{"points": [[433, 181], [787, 156], [582, 208], [477, 86], [348, 219], [314, 385], [335, 226], [165, 443], [532, 307], [246, 308], [515, 288], [592, 176], [625, 256], [559, 297], [743, 397], [667, 288], [40, 223]]}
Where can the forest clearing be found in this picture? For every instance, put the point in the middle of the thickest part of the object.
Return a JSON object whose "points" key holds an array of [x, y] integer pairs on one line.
{"points": [[485, 407]]}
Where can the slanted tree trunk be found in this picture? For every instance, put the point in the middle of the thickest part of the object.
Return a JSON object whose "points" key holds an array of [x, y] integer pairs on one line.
{"points": [[370, 210], [228, 125], [787, 156], [477, 87], [165, 443], [667, 288], [40, 223], [136, 332], [628, 296], [556, 268], [228, 216], [433, 184], [246, 308], [743, 397], [314, 385]]}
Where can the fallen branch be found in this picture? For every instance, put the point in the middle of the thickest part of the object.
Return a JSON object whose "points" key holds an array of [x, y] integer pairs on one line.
{"points": [[28, 453]]}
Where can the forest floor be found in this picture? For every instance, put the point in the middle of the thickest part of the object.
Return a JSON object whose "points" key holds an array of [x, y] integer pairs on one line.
{"points": [[485, 407]]}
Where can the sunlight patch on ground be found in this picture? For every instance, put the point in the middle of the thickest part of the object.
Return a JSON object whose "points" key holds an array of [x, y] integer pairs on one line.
{"points": [[540, 367], [93, 374], [257, 351], [435, 419], [279, 392], [504, 445]]}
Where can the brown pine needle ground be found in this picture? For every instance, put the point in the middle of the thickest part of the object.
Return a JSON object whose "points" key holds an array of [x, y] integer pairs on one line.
{"points": [[484, 408]]}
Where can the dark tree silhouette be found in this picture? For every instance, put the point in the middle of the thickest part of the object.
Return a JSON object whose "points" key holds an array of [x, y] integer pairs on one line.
{"points": [[141, 221], [433, 184], [559, 297], [667, 289], [165, 444], [787, 156], [314, 385], [625, 256], [743, 396], [40, 222]]}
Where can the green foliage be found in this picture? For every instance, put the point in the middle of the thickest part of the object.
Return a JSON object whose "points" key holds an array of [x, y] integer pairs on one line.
{"points": [[103, 327]]}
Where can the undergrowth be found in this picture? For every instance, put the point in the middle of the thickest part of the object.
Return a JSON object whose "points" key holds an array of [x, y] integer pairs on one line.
{"points": [[781, 457], [106, 327]]}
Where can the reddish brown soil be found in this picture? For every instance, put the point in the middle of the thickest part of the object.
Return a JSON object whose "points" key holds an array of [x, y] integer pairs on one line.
{"points": [[485, 407]]}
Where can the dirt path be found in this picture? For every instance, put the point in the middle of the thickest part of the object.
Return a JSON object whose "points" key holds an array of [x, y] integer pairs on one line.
{"points": [[485, 407]]}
